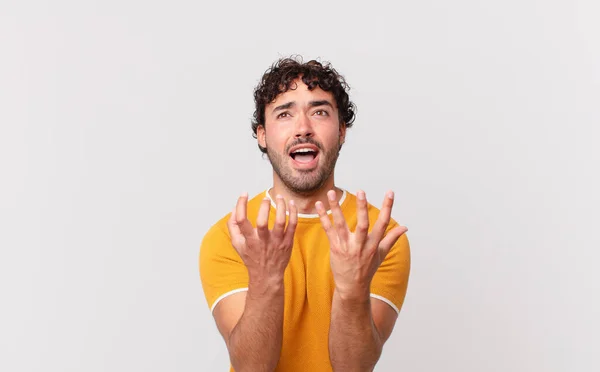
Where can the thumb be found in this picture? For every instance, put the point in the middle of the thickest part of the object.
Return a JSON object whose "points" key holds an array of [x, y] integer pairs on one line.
{"points": [[390, 239]]}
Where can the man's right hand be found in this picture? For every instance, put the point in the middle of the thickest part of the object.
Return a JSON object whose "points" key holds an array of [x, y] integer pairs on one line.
{"points": [[252, 322], [266, 253]]}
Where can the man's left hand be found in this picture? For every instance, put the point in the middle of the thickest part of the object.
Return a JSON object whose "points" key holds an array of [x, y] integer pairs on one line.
{"points": [[356, 256]]}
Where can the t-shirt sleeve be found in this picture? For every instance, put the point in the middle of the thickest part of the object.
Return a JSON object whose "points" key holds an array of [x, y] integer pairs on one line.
{"points": [[390, 282], [222, 271]]}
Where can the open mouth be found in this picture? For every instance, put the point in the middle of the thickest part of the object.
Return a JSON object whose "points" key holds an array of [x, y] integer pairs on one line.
{"points": [[304, 155]]}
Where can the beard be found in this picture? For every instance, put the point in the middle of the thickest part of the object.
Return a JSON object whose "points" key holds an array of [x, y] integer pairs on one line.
{"points": [[302, 181]]}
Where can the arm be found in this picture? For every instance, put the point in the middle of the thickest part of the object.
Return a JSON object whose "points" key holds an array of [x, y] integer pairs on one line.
{"points": [[358, 330], [358, 327], [251, 324]]}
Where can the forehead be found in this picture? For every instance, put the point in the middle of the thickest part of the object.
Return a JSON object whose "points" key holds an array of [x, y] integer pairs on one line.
{"points": [[300, 94]]}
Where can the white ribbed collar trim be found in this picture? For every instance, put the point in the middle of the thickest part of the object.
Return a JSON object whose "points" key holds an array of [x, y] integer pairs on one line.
{"points": [[305, 215]]}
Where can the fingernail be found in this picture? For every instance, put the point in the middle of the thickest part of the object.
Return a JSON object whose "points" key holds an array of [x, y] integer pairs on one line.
{"points": [[331, 195], [390, 194], [291, 202], [279, 196], [361, 195]]}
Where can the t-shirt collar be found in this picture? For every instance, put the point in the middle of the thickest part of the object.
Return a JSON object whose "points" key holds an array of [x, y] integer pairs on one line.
{"points": [[305, 215]]}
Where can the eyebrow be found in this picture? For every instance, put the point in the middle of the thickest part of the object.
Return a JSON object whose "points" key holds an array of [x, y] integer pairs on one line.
{"points": [[323, 102], [290, 104], [285, 106]]}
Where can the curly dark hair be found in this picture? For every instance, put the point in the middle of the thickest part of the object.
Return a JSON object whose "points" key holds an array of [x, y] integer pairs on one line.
{"points": [[279, 77]]}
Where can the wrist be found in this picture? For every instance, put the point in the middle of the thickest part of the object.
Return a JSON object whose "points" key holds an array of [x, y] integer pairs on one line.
{"points": [[265, 285], [353, 294]]}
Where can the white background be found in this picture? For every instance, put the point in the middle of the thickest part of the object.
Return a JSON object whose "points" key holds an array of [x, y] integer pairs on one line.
{"points": [[117, 118]]}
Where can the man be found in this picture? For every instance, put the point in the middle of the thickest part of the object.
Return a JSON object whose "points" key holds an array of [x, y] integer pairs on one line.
{"points": [[304, 276]]}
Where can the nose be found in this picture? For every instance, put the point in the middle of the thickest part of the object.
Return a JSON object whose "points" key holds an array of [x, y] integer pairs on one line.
{"points": [[303, 127]]}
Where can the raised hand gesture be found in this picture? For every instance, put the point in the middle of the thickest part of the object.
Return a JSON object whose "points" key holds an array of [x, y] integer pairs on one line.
{"points": [[356, 255], [266, 253]]}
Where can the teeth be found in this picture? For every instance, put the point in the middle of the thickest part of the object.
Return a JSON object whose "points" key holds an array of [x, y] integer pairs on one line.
{"points": [[303, 150]]}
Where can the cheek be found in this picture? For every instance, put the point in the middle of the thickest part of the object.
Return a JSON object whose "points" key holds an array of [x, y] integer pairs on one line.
{"points": [[276, 140], [332, 136]]}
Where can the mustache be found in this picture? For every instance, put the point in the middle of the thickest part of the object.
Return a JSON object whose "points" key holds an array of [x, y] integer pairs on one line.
{"points": [[303, 141]]}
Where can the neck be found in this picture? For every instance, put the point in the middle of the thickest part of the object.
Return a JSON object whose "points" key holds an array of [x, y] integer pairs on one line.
{"points": [[305, 202]]}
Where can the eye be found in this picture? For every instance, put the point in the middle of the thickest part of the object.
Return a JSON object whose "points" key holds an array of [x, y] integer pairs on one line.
{"points": [[321, 113], [283, 115]]}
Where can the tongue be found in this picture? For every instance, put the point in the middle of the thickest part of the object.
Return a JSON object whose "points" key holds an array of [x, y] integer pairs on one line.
{"points": [[304, 158]]}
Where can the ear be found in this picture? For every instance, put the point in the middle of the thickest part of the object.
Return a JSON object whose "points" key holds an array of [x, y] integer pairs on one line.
{"points": [[261, 136], [342, 133]]}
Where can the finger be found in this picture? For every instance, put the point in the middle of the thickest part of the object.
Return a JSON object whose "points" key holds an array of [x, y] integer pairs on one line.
{"points": [[362, 217], [384, 218], [234, 230], [292, 223], [325, 221], [390, 239], [241, 217], [262, 220], [278, 228], [339, 222], [232, 226]]}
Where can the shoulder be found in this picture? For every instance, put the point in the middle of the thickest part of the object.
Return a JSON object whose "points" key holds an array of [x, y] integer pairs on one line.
{"points": [[217, 231]]}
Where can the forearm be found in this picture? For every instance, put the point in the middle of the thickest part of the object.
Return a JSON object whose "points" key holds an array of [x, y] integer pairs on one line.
{"points": [[255, 342], [354, 342]]}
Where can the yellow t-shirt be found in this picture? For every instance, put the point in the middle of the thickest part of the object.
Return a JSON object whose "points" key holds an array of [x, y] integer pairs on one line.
{"points": [[308, 281]]}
